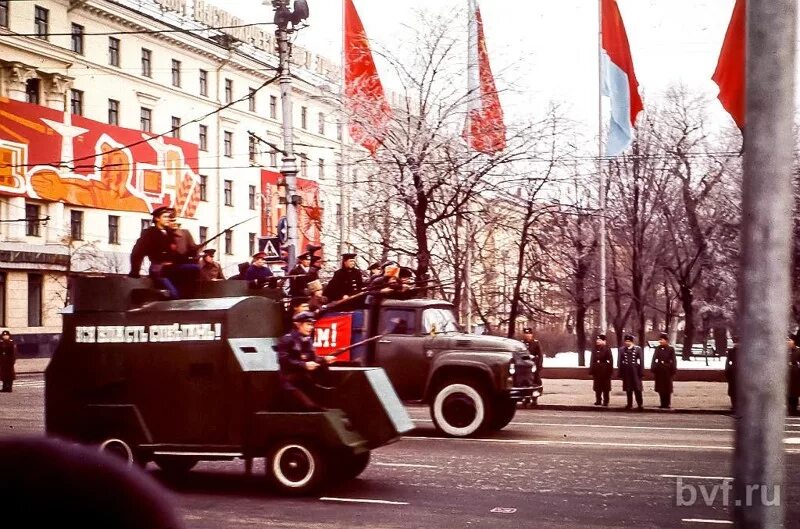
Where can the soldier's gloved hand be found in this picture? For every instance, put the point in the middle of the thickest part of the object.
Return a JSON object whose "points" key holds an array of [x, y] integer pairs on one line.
{"points": [[311, 366], [329, 359]]}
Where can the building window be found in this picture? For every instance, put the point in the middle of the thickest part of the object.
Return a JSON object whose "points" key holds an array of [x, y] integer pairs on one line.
{"points": [[147, 63], [251, 200], [113, 51], [321, 168], [203, 138], [40, 22], [303, 118], [227, 143], [4, 23], [176, 127], [251, 98], [203, 83], [339, 131], [2, 274], [228, 90], [113, 229], [35, 300], [228, 192], [113, 112], [339, 172], [32, 216], [203, 234], [146, 223], [146, 119], [176, 73], [273, 107], [229, 242], [321, 126], [273, 158], [303, 166], [203, 188], [76, 225], [76, 102], [251, 243], [32, 91], [77, 38], [251, 148]]}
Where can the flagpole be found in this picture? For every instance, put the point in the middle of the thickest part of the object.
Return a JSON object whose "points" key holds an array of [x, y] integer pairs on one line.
{"points": [[602, 198]]}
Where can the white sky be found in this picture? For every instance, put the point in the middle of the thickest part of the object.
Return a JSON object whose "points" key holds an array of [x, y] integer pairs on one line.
{"points": [[546, 48]]}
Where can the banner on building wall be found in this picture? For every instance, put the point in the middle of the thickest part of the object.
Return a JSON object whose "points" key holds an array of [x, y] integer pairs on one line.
{"points": [[51, 155], [309, 213]]}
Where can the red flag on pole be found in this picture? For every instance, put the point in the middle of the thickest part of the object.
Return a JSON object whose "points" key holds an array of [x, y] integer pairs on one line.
{"points": [[729, 74], [485, 131], [364, 97]]}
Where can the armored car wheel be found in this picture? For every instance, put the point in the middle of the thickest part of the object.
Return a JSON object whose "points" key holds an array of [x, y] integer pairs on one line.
{"points": [[175, 465], [461, 408], [295, 466]]}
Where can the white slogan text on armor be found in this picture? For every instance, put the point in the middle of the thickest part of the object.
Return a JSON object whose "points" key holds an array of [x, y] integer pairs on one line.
{"points": [[175, 332]]}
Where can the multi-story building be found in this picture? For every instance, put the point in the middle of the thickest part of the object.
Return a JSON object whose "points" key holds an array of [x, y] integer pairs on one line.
{"points": [[110, 108]]}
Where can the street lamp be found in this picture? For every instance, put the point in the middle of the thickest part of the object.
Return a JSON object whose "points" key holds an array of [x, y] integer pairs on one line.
{"points": [[283, 17]]}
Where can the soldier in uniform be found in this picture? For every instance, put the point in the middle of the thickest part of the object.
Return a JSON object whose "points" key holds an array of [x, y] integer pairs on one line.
{"points": [[298, 362], [535, 350], [258, 270], [8, 356], [210, 270], [730, 370], [664, 366], [601, 367], [630, 365], [346, 281], [316, 301], [303, 270], [793, 383], [242, 272], [171, 255]]}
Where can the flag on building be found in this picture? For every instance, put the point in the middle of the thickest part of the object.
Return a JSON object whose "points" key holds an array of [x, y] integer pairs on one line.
{"points": [[729, 74], [485, 131], [365, 101], [618, 80]]}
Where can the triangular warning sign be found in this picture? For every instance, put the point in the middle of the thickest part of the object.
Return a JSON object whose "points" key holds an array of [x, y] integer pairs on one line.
{"points": [[269, 245]]}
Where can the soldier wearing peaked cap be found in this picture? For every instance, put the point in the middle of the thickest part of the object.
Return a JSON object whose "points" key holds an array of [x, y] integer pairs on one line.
{"points": [[210, 270], [601, 367], [630, 364], [535, 350], [304, 271], [346, 281], [8, 356], [664, 366], [258, 270]]}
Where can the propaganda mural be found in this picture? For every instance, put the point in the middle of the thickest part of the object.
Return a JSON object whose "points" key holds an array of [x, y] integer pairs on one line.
{"points": [[309, 214], [51, 155]]}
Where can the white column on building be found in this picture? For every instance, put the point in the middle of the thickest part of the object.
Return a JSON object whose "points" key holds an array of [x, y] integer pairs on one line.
{"points": [[55, 210], [16, 210], [17, 75], [55, 91]]}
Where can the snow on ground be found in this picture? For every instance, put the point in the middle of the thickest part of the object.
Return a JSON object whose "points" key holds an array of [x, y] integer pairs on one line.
{"points": [[697, 362]]}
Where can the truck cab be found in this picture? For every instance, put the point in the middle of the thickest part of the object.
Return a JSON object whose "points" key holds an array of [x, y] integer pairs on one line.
{"points": [[471, 383]]}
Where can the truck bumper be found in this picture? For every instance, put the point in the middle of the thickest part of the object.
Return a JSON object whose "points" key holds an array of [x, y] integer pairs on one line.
{"points": [[526, 392]]}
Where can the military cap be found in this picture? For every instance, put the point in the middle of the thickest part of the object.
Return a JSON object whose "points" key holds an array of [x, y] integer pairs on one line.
{"points": [[601, 337], [314, 286], [304, 257], [161, 210], [260, 255], [663, 336], [527, 330], [311, 248], [209, 251], [303, 317], [374, 266], [628, 338], [348, 256], [315, 259]]}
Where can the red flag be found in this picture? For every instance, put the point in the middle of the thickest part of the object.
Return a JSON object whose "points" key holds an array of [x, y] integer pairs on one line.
{"points": [[364, 98], [729, 74], [485, 131]]}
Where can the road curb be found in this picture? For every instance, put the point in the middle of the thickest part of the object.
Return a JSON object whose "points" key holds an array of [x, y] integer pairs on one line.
{"points": [[602, 409]]}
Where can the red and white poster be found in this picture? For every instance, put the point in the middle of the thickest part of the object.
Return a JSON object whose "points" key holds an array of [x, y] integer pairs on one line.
{"points": [[309, 213], [332, 333], [52, 155]]}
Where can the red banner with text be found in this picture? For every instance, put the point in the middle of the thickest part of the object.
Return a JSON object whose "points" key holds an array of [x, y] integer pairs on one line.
{"points": [[332, 333], [52, 155]]}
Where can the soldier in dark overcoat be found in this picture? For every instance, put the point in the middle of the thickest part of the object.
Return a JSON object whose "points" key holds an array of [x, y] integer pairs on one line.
{"points": [[298, 360], [346, 281], [630, 365], [535, 350], [301, 275], [664, 366], [730, 370], [601, 367], [793, 382], [8, 356]]}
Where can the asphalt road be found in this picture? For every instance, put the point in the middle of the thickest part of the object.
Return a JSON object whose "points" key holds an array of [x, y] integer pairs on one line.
{"points": [[547, 469]]}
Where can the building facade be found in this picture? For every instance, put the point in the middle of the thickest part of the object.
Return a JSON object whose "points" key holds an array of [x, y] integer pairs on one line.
{"points": [[109, 109]]}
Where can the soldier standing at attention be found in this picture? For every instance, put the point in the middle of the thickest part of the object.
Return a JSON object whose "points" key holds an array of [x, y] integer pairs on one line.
{"points": [[210, 270], [793, 384], [302, 269], [298, 360], [730, 371], [664, 366], [631, 371], [601, 367], [8, 356], [535, 350], [346, 281]]}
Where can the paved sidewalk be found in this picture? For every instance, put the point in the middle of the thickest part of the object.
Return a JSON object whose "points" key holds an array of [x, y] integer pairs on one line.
{"points": [[25, 366]]}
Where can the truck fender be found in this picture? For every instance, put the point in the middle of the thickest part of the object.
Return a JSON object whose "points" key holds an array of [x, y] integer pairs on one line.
{"points": [[449, 364]]}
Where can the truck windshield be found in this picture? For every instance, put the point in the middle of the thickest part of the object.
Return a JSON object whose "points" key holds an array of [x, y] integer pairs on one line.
{"points": [[437, 320]]}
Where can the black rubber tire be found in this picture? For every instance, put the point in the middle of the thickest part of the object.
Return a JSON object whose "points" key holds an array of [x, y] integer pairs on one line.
{"points": [[175, 465], [296, 467], [504, 411], [461, 408], [347, 466]]}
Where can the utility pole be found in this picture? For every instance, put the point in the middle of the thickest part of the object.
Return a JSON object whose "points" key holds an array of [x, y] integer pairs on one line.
{"points": [[765, 285], [283, 17]]}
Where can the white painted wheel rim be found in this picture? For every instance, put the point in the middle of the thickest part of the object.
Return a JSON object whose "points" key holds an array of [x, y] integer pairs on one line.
{"points": [[293, 450], [468, 392], [117, 448]]}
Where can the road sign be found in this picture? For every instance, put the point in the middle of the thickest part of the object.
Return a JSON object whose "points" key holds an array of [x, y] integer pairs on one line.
{"points": [[283, 230], [270, 245]]}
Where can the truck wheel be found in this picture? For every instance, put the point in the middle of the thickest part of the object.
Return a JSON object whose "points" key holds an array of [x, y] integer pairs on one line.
{"points": [[460, 409], [347, 466], [175, 465], [296, 467], [121, 450], [504, 411]]}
